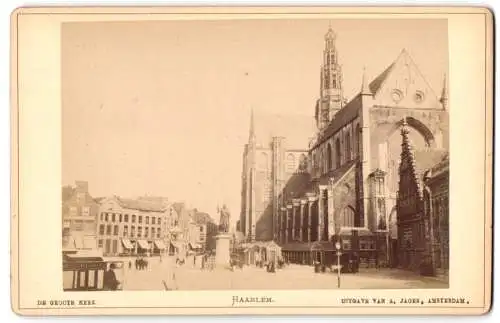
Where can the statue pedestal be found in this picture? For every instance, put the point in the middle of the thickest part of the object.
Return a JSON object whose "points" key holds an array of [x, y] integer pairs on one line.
{"points": [[222, 252]]}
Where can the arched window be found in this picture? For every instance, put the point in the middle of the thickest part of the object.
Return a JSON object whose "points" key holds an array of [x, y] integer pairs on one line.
{"points": [[263, 163], [290, 163], [348, 146], [327, 81], [322, 163], [334, 83], [329, 157], [347, 217], [357, 140], [338, 162]]}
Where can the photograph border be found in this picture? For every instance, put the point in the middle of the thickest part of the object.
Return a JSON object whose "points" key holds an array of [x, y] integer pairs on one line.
{"points": [[281, 12]]}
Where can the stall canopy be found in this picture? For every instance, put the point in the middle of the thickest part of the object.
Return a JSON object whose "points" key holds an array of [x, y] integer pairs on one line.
{"points": [[143, 244], [160, 245], [175, 244], [127, 244]]}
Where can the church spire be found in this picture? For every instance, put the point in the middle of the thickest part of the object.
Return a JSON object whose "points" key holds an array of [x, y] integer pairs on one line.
{"points": [[444, 94], [331, 92], [251, 136]]}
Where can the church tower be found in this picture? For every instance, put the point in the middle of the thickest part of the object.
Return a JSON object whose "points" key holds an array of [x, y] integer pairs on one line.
{"points": [[331, 97]]}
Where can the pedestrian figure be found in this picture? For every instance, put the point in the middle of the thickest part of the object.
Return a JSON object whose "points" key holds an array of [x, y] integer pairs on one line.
{"points": [[110, 282], [129, 264]]}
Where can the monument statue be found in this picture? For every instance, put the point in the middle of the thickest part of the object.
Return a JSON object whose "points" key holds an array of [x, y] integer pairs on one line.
{"points": [[224, 219]]}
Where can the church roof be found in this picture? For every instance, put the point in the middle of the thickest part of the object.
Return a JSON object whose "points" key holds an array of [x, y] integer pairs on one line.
{"points": [[377, 82], [296, 129], [349, 112]]}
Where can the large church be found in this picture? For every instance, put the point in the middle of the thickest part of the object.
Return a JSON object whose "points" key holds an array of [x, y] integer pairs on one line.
{"points": [[341, 182]]}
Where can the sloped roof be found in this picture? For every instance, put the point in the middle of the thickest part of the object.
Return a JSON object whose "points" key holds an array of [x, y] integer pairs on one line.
{"points": [[349, 112], [296, 129], [202, 218], [338, 173], [426, 159]]}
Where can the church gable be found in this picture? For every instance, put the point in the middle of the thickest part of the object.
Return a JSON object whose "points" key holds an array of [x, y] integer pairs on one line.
{"points": [[403, 85]]}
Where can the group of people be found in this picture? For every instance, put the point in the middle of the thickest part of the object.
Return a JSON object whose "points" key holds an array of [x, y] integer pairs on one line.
{"points": [[140, 264]]}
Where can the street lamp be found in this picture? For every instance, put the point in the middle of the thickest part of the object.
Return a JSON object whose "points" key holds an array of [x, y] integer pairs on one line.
{"points": [[337, 246]]}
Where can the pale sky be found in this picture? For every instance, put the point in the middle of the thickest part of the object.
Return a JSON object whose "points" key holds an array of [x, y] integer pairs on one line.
{"points": [[162, 108]]}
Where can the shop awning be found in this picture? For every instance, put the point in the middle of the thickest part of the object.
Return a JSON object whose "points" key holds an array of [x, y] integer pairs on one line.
{"points": [[160, 245], [143, 244], [194, 245], [127, 244]]}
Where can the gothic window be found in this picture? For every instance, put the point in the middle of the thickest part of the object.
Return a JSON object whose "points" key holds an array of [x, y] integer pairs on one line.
{"points": [[263, 162], [327, 81], [334, 83], [337, 153], [322, 163], [348, 146], [290, 163], [303, 163], [329, 157], [332, 58], [357, 140], [347, 217]]}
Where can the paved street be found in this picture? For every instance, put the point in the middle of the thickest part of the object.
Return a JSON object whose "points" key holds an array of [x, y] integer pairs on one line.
{"points": [[188, 277]]}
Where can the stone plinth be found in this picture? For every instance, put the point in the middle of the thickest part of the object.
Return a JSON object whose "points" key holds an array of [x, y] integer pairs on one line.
{"points": [[222, 250]]}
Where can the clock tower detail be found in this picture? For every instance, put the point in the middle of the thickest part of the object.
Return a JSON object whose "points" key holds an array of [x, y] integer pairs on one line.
{"points": [[331, 97]]}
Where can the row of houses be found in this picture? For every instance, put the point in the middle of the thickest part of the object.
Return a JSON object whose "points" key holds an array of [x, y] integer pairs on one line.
{"points": [[123, 226]]}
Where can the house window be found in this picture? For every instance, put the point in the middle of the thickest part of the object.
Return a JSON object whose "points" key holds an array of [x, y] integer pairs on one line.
{"points": [[121, 218], [108, 229], [113, 218], [102, 217], [158, 234], [125, 231], [146, 232], [115, 246], [153, 220], [132, 231], [116, 230], [147, 220], [140, 218], [101, 229], [201, 229], [107, 217], [139, 232], [100, 243], [159, 221], [86, 211], [133, 218], [126, 218], [152, 232]]}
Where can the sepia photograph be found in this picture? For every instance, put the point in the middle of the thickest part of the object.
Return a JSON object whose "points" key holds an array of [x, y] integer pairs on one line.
{"points": [[314, 161], [253, 160]]}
